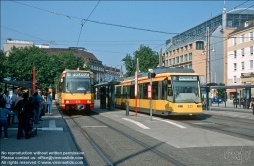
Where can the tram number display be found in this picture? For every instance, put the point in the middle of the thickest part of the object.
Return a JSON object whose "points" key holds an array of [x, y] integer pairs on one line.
{"points": [[185, 78], [78, 74], [190, 106]]}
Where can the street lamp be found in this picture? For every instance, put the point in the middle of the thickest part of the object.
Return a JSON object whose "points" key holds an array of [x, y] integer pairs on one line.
{"points": [[208, 66]]}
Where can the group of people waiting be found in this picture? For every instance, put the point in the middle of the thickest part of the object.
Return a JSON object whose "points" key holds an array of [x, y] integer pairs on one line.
{"points": [[22, 108]]}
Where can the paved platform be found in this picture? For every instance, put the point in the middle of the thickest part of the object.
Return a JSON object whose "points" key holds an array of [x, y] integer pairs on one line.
{"points": [[52, 142]]}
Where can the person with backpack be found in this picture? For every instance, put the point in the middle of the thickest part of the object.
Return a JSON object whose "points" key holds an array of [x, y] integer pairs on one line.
{"points": [[3, 119], [25, 113]]}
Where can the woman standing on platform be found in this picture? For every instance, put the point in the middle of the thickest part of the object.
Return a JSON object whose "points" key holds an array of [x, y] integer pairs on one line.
{"points": [[49, 103]]}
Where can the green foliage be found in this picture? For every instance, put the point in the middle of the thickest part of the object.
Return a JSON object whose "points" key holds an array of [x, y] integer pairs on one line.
{"points": [[2, 61], [20, 62], [221, 92], [148, 59]]}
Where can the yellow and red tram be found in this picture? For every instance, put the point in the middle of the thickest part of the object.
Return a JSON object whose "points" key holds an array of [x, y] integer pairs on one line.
{"points": [[175, 91], [74, 91]]}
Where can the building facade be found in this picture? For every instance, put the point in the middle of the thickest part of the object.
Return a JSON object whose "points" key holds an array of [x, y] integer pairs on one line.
{"points": [[240, 56], [17, 43], [91, 61], [206, 51], [112, 73]]}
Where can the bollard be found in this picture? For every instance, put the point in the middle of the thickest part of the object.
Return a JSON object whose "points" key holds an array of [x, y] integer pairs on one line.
{"points": [[127, 108]]}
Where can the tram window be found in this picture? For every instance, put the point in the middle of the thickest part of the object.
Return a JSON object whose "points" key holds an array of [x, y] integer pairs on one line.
{"points": [[140, 91], [170, 93], [132, 92], [160, 90], [118, 92], [124, 94], [128, 92], [145, 91], [155, 90]]}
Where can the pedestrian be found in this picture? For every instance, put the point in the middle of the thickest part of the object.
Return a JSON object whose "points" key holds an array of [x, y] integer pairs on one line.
{"points": [[13, 99], [8, 103], [49, 102], [35, 101], [19, 97], [3, 119], [251, 103], [45, 104], [25, 113], [40, 104]]}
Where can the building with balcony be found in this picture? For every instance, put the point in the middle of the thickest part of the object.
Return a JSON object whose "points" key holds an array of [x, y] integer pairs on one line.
{"points": [[189, 49]]}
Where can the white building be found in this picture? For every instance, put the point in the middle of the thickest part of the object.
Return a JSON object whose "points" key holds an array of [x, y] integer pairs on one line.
{"points": [[240, 55]]}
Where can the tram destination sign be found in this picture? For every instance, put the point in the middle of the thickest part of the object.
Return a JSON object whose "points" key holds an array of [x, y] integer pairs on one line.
{"points": [[185, 78], [77, 74]]}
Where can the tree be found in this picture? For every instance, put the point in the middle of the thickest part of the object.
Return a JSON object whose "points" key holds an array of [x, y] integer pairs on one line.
{"points": [[148, 59], [221, 92], [128, 63], [2, 61], [20, 62]]}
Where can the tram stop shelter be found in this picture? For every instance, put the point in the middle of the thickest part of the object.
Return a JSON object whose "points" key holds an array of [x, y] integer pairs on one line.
{"points": [[15, 83], [107, 94], [241, 90]]}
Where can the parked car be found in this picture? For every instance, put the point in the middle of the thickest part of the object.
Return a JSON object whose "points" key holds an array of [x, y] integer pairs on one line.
{"points": [[218, 100]]}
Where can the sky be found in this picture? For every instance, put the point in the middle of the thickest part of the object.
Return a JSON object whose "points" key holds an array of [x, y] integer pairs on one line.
{"points": [[115, 28]]}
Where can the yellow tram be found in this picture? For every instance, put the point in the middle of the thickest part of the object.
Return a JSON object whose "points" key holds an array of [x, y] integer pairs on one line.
{"points": [[74, 91], [175, 91]]}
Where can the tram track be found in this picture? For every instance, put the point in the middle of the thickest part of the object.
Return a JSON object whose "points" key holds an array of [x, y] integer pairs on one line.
{"points": [[227, 131], [92, 142], [104, 154]]}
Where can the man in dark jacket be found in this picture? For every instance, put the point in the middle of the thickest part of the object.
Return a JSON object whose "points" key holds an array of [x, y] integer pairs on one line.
{"points": [[25, 113]]}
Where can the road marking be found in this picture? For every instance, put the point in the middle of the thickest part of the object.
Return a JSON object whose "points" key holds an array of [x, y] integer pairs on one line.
{"points": [[137, 123], [202, 123], [167, 121], [52, 126], [93, 126]]}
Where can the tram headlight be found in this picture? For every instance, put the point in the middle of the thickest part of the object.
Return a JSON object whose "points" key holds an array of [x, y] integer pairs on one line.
{"points": [[199, 106], [67, 102]]}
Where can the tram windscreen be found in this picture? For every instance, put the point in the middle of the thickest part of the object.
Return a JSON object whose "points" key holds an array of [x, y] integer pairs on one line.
{"points": [[78, 85], [186, 89]]}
